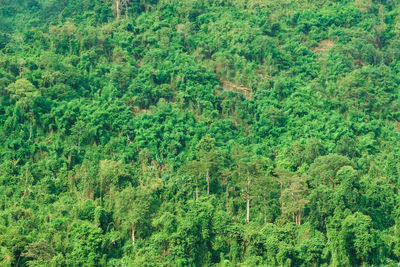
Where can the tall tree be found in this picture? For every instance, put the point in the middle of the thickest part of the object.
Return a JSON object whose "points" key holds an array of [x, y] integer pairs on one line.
{"points": [[118, 7], [113, 174], [294, 198], [249, 170], [133, 210], [26, 94], [208, 157]]}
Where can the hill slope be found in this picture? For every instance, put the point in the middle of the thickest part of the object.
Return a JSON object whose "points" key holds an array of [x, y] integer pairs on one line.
{"points": [[199, 133]]}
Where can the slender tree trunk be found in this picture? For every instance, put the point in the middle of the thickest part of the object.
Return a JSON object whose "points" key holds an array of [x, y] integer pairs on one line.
{"points": [[126, 10], [26, 182], [332, 182], [208, 183], [248, 209], [117, 6], [265, 213], [197, 189], [101, 192], [281, 184], [111, 197], [69, 160], [17, 263], [299, 217], [227, 197], [30, 128], [248, 202], [133, 233]]}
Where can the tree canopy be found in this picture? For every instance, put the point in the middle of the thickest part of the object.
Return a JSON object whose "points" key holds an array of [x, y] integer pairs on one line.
{"points": [[199, 133]]}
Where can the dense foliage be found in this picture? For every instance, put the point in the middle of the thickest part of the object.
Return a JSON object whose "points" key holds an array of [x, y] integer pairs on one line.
{"points": [[199, 133]]}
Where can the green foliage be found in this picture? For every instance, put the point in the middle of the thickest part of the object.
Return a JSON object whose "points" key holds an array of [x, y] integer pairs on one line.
{"points": [[199, 133]]}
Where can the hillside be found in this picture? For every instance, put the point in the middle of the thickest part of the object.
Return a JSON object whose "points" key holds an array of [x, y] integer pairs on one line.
{"points": [[199, 133]]}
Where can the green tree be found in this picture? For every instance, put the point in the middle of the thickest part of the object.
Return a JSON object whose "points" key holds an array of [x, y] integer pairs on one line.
{"points": [[358, 239], [87, 245], [293, 198], [208, 157], [324, 169], [133, 210], [25, 94]]}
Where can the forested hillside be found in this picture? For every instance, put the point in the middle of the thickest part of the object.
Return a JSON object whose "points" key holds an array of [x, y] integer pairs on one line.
{"points": [[199, 133]]}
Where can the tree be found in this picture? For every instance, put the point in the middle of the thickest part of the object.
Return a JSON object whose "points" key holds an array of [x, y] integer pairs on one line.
{"points": [[39, 250], [195, 169], [324, 169], [312, 247], [26, 94], [86, 245], [193, 236], [358, 240], [208, 157], [126, 3], [283, 177], [113, 173], [347, 194], [226, 178], [79, 133], [249, 170], [293, 198], [118, 6], [266, 191], [321, 206], [133, 210]]}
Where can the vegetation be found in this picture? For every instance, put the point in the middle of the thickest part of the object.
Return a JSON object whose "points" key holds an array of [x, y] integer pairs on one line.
{"points": [[199, 133]]}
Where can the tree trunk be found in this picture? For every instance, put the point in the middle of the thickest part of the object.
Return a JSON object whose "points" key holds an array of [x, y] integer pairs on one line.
{"points": [[265, 212], [197, 190], [79, 144], [30, 128], [248, 202], [126, 9], [133, 233], [332, 182], [208, 183], [117, 7], [298, 219], [26, 182], [69, 160], [281, 183], [227, 197], [111, 197], [248, 209]]}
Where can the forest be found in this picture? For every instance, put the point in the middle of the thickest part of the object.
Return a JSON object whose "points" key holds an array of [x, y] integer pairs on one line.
{"points": [[199, 133]]}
